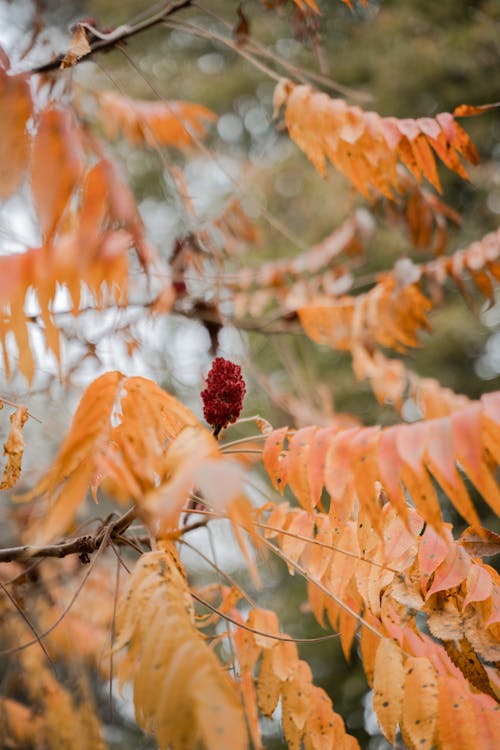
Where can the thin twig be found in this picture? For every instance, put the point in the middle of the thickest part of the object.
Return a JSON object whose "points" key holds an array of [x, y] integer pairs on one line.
{"points": [[221, 572], [120, 34], [29, 624], [242, 625], [308, 577], [65, 611], [83, 545], [17, 406], [330, 547]]}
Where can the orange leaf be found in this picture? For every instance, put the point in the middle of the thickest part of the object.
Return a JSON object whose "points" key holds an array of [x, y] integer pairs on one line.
{"points": [[302, 523], [388, 687], [296, 705], [367, 147], [285, 659], [442, 464], [298, 465], [309, 3], [469, 110], [56, 165], [457, 137], [344, 566], [268, 686], [467, 430], [317, 463], [391, 464], [120, 429], [273, 459], [487, 715], [420, 702], [14, 144], [369, 644], [456, 724], [166, 123], [323, 729], [266, 621]]}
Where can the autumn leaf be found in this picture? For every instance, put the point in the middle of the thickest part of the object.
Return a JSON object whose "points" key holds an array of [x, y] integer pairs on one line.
{"points": [[181, 692], [367, 147], [420, 699], [388, 687], [120, 430], [14, 449], [14, 140], [395, 456], [56, 165], [307, 4], [470, 110], [78, 48], [165, 123]]}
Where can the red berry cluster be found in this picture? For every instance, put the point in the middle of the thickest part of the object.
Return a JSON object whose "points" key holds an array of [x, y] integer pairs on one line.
{"points": [[224, 394]]}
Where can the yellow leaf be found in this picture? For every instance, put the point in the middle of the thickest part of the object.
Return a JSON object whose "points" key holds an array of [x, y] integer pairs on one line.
{"points": [[420, 702], [181, 692], [388, 687], [121, 429], [268, 686]]}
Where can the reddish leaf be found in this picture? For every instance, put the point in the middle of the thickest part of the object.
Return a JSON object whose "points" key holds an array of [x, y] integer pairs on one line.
{"points": [[480, 542], [433, 549], [452, 571], [487, 715], [467, 430], [479, 585], [442, 463]]}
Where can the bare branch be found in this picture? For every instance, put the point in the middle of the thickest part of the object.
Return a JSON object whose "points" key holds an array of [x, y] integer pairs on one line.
{"points": [[106, 42], [82, 546]]}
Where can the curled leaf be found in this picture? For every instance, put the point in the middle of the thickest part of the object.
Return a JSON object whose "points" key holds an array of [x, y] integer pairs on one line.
{"points": [[78, 48], [14, 449]]}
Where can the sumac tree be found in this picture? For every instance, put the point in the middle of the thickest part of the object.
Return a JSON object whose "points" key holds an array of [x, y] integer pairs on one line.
{"points": [[386, 515]]}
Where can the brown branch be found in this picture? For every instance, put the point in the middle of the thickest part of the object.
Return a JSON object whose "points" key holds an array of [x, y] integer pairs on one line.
{"points": [[82, 546], [120, 34]]}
